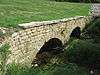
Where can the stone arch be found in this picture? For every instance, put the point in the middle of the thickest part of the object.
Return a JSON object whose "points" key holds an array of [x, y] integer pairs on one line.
{"points": [[53, 44], [51, 47], [76, 32]]}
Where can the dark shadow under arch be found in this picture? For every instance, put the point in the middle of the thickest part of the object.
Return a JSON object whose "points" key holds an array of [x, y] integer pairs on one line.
{"points": [[76, 32], [53, 44], [48, 50]]}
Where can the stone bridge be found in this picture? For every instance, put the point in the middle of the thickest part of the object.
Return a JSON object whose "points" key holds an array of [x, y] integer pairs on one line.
{"points": [[26, 43]]}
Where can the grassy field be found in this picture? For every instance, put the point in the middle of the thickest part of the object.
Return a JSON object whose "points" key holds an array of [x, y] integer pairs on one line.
{"points": [[13, 12]]}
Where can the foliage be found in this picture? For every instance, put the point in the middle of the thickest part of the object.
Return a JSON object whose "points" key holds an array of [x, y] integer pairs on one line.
{"points": [[52, 69], [66, 69], [4, 52], [1, 34], [84, 53], [15, 69], [93, 30]]}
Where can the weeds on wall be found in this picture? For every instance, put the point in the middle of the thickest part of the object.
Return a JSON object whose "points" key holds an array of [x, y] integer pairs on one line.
{"points": [[4, 52], [1, 34]]}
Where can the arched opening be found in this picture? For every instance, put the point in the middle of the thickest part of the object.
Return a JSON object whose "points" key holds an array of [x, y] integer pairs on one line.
{"points": [[53, 44], [48, 50], [76, 32]]}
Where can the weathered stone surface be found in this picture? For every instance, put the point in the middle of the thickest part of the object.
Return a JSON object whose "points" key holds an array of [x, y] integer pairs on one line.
{"points": [[35, 24]]}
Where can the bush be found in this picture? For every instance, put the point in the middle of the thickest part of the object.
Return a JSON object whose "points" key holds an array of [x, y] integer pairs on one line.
{"points": [[94, 27], [17, 69], [1, 34], [84, 53], [52, 69], [65, 69], [93, 30]]}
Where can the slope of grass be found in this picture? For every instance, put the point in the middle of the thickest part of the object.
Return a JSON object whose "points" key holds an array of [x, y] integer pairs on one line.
{"points": [[13, 12], [61, 69]]}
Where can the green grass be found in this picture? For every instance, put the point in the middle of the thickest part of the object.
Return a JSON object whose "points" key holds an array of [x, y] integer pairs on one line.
{"points": [[61, 69], [4, 52], [13, 12]]}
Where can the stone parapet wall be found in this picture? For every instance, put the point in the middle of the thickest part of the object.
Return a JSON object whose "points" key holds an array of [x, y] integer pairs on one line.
{"points": [[27, 42]]}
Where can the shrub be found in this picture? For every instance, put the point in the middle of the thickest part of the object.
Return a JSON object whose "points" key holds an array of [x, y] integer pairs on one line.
{"points": [[1, 34], [84, 53], [65, 69], [52, 69], [17, 69], [93, 30]]}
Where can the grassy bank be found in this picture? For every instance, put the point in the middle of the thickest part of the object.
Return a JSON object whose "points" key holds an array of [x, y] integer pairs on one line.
{"points": [[13, 12]]}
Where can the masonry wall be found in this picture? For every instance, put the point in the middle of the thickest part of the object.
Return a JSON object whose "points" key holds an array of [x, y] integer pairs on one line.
{"points": [[27, 42]]}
